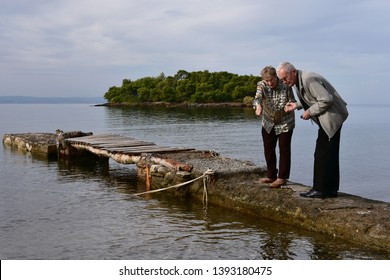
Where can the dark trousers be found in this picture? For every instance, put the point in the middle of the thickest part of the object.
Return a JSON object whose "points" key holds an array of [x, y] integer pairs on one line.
{"points": [[326, 177], [269, 141]]}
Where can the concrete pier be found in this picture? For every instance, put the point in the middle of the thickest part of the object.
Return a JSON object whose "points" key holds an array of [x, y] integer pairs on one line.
{"points": [[232, 184]]}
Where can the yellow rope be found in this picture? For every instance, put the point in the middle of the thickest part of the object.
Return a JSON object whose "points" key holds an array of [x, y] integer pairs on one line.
{"points": [[205, 193], [206, 174]]}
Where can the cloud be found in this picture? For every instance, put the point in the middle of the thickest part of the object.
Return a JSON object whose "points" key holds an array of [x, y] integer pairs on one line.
{"points": [[82, 47]]}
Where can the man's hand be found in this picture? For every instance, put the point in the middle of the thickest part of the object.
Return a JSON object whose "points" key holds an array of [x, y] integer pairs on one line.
{"points": [[306, 115]]}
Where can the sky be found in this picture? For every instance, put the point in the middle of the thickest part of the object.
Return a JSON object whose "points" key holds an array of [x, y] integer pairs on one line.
{"points": [[68, 48]]}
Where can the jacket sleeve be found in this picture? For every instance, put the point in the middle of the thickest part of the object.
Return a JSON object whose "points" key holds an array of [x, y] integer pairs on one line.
{"points": [[260, 89], [321, 97]]}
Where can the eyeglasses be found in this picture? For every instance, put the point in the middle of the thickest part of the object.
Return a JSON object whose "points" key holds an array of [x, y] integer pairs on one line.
{"points": [[285, 78]]}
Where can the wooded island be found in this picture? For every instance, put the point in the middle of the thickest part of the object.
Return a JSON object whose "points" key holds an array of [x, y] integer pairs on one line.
{"points": [[190, 87]]}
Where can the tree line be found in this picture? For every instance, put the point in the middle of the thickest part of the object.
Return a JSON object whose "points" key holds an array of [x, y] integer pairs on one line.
{"points": [[196, 87]]}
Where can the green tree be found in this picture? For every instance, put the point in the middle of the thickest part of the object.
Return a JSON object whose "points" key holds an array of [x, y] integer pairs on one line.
{"points": [[144, 94]]}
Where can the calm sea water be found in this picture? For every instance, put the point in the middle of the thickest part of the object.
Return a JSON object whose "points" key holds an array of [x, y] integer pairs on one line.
{"points": [[59, 210]]}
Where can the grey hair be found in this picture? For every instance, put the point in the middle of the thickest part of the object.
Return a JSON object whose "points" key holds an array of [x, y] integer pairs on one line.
{"points": [[286, 66], [268, 70]]}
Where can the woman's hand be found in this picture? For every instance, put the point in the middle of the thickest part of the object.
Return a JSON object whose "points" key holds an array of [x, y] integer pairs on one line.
{"points": [[258, 110], [290, 106]]}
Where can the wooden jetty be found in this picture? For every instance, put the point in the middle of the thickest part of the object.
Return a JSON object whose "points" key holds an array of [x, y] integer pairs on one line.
{"points": [[148, 156], [113, 143], [122, 149], [232, 184]]}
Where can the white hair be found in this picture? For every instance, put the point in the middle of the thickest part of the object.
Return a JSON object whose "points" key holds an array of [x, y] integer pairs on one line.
{"points": [[286, 66]]}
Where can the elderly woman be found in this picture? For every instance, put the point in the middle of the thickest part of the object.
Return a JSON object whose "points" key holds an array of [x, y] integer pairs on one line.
{"points": [[277, 125]]}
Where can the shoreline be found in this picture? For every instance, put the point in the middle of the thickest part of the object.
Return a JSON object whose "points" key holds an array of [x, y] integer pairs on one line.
{"points": [[174, 105]]}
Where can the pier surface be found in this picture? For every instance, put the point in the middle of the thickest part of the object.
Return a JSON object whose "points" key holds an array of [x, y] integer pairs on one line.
{"points": [[232, 184]]}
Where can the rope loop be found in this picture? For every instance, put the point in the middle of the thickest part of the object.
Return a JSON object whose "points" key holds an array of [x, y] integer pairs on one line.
{"points": [[206, 179]]}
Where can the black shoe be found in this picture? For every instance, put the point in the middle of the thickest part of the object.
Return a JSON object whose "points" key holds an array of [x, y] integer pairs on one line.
{"points": [[332, 194], [314, 194]]}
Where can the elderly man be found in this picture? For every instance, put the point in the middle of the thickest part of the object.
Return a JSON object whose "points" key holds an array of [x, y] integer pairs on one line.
{"points": [[323, 105]]}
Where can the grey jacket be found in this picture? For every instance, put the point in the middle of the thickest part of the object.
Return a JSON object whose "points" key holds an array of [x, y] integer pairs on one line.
{"points": [[326, 106]]}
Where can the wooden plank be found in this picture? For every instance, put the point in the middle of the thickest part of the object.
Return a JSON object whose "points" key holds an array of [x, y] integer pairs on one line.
{"points": [[91, 143], [136, 148], [98, 141], [125, 144], [91, 137], [104, 137], [147, 149]]}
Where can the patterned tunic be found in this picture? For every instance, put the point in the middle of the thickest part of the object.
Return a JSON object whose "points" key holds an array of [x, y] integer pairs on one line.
{"points": [[272, 102]]}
